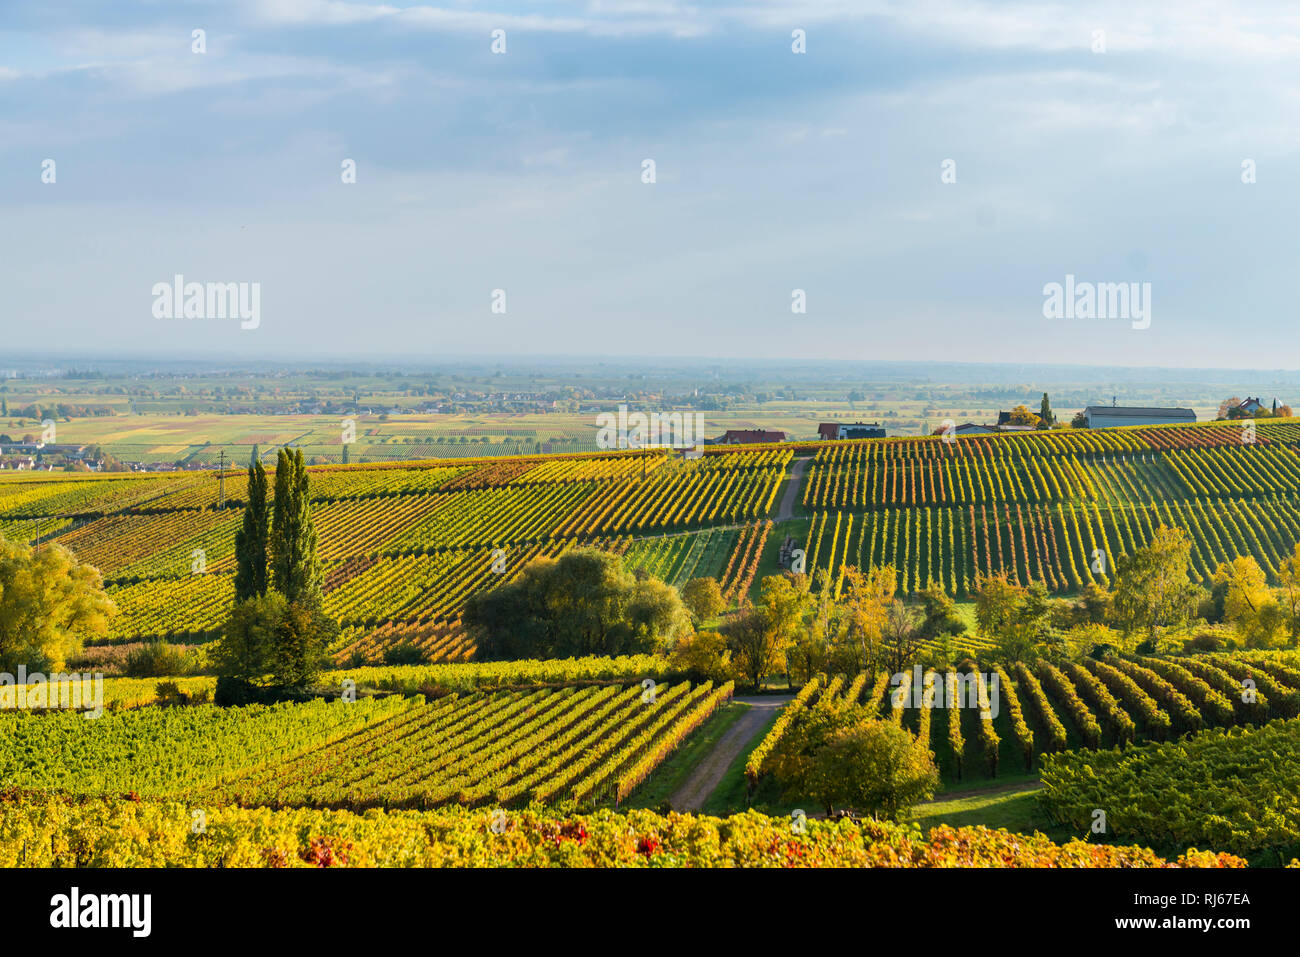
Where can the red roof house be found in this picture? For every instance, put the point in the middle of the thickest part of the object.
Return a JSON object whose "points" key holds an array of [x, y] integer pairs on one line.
{"points": [[750, 436]]}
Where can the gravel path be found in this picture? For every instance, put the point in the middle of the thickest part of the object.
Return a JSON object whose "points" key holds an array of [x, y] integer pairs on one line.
{"points": [[791, 496], [708, 774]]}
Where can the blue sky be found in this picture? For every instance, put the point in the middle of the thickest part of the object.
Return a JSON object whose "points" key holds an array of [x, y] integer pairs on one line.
{"points": [[775, 171]]}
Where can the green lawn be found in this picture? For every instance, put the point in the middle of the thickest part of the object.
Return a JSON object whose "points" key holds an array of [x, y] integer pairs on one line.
{"points": [[1015, 810]]}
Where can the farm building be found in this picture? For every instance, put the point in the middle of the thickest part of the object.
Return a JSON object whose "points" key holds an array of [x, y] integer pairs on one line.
{"points": [[1250, 406], [1110, 416], [850, 430], [749, 436]]}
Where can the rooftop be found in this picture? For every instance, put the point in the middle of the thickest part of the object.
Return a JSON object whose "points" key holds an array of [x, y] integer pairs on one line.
{"points": [[1134, 410]]}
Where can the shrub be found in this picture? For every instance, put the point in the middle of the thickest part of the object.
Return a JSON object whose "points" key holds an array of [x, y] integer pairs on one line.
{"points": [[703, 657], [168, 692], [843, 757], [1208, 638], [703, 598], [878, 768], [235, 691], [158, 659], [405, 653]]}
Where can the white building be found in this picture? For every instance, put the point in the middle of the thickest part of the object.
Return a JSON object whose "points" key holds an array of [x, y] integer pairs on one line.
{"points": [[1110, 416]]}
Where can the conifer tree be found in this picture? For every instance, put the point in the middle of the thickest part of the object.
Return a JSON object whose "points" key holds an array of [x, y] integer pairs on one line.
{"points": [[295, 569], [251, 539], [1045, 412]]}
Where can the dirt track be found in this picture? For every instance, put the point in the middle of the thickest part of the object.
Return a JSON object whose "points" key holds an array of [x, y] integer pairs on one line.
{"points": [[791, 496], [709, 772]]}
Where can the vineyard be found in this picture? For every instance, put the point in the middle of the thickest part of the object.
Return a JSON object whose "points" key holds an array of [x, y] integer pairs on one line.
{"points": [[1064, 546], [168, 751], [590, 745], [1045, 708], [443, 677], [405, 545], [1055, 507], [1199, 791], [1116, 465], [38, 830]]}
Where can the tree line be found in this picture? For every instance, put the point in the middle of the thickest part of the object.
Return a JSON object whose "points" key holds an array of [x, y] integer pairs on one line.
{"points": [[278, 633]]}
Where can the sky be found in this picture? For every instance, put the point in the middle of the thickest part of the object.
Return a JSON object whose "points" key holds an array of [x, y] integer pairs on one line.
{"points": [[1106, 141]]}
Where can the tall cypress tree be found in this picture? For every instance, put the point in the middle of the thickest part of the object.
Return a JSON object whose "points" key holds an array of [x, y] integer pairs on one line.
{"points": [[251, 540], [279, 557], [295, 569], [311, 575]]}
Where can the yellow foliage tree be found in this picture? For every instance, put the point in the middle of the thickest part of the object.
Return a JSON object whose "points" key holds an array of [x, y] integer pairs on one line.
{"points": [[50, 604]]}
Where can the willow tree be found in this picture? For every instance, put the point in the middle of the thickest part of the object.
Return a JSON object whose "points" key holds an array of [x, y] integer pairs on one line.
{"points": [[1153, 586], [50, 603]]}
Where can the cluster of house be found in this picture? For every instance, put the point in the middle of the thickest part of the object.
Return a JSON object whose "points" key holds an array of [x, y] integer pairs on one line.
{"points": [[33, 457], [1248, 408], [29, 456], [1096, 416], [825, 430], [748, 437], [24, 455], [850, 430]]}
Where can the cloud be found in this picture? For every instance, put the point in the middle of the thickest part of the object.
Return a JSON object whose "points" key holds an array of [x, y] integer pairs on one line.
{"points": [[610, 19], [775, 171]]}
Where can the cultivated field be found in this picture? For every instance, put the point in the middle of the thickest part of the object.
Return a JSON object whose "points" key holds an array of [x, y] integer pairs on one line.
{"points": [[406, 544]]}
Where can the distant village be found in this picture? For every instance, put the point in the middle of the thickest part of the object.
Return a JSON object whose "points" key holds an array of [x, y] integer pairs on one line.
{"points": [[56, 457], [1021, 419], [28, 454]]}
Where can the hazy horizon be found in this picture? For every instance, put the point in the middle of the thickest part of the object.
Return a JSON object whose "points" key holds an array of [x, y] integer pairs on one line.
{"points": [[973, 372]]}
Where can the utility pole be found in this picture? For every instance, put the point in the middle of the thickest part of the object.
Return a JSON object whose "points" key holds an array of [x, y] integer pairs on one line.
{"points": [[221, 480]]}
